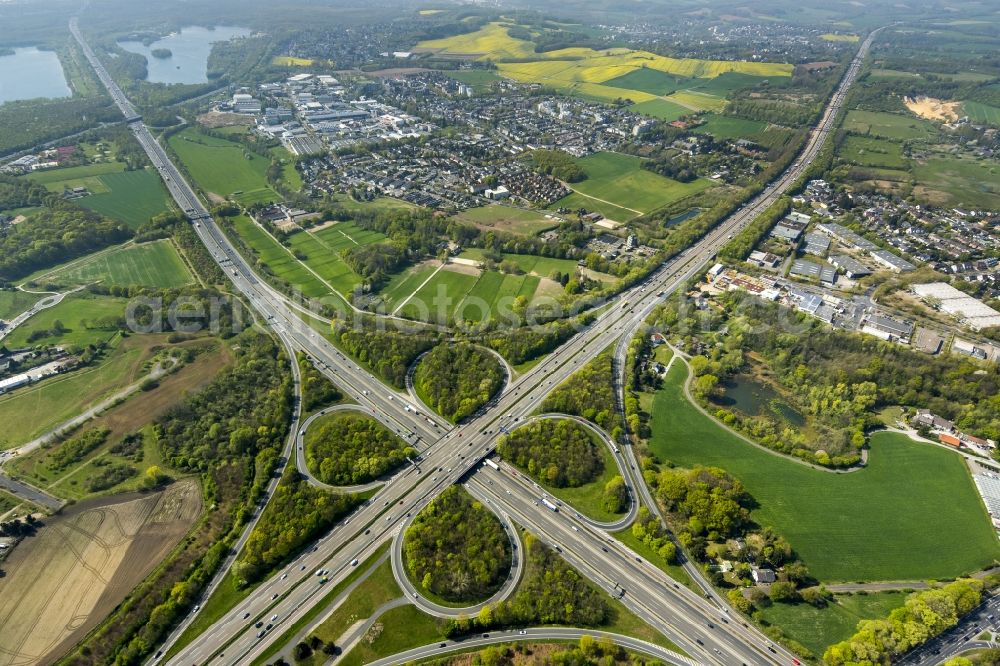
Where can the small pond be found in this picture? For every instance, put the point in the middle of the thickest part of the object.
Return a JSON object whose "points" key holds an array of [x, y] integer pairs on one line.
{"points": [[746, 394], [31, 73]]}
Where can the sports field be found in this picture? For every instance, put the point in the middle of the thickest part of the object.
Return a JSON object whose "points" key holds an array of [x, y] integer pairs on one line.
{"points": [[508, 218], [888, 125], [621, 181], [154, 264], [885, 522], [224, 168], [460, 293]]}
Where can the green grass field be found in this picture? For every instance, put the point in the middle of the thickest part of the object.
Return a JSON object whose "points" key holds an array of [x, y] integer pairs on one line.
{"points": [[479, 79], [133, 197], [508, 218], [33, 410], [575, 201], [438, 299], [403, 284], [818, 628], [982, 113], [621, 180], [76, 312], [224, 168], [529, 263], [872, 152], [660, 108], [885, 522], [130, 196], [278, 259], [888, 125], [946, 180], [289, 174], [13, 303], [651, 81], [56, 179], [454, 294], [728, 127], [154, 264]]}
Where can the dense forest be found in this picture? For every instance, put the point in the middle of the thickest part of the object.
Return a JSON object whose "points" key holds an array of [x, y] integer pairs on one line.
{"points": [[29, 123], [457, 549], [387, 353], [558, 164], [317, 389], [551, 592], [58, 232], [529, 342], [244, 411], [455, 380], [559, 452], [376, 262], [343, 449], [297, 515], [924, 615], [588, 393]]}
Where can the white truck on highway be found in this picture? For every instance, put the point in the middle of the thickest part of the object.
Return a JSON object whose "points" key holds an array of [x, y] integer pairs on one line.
{"points": [[548, 503]]}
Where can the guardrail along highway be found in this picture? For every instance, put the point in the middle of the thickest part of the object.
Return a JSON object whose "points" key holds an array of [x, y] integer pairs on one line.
{"points": [[448, 454]]}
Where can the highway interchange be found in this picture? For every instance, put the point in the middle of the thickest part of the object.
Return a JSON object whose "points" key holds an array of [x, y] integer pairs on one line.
{"points": [[449, 454]]}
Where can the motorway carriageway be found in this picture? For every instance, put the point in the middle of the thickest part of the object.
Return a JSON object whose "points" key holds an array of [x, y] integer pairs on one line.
{"points": [[288, 604]]}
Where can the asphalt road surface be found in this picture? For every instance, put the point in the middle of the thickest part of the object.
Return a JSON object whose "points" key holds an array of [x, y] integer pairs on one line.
{"points": [[451, 452]]}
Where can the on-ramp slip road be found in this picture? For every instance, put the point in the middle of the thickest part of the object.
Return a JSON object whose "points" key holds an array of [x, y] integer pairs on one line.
{"points": [[454, 451]]}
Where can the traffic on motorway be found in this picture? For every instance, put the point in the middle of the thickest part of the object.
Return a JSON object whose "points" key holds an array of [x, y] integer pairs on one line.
{"points": [[700, 625]]}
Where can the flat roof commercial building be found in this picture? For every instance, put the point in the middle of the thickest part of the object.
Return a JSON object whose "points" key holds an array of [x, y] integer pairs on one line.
{"points": [[970, 311]]}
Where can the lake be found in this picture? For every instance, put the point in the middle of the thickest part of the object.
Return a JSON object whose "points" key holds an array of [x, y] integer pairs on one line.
{"points": [[751, 397], [31, 73], [189, 48]]}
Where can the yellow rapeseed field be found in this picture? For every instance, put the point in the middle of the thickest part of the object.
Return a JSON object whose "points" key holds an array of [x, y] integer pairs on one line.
{"points": [[491, 42], [835, 37], [289, 61], [580, 70]]}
